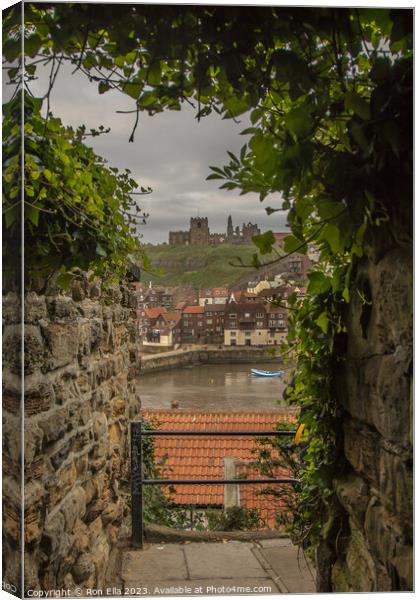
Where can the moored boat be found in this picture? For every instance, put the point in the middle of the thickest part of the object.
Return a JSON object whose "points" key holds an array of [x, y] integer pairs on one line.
{"points": [[262, 373]]}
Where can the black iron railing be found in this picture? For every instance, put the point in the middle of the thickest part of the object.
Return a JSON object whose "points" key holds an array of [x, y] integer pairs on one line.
{"points": [[138, 481]]}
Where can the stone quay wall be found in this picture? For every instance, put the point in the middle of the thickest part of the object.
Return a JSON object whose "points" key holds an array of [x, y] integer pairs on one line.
{"points": [[205, 355], [368, 546], [80, 367]]}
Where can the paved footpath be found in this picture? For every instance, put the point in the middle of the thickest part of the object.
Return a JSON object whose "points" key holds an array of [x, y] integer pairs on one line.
{"points": [[208, 568]]}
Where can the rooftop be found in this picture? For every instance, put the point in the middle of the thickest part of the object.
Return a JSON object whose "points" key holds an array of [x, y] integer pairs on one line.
{"points": [[202, 457], [193, 310], [153, 313]]}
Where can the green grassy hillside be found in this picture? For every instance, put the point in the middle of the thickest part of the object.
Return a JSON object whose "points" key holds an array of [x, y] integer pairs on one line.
{"points": [[198, 266]]}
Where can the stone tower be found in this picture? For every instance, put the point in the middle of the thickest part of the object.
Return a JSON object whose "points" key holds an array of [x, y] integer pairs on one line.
{"points": [[199, 231], [229, 229]]}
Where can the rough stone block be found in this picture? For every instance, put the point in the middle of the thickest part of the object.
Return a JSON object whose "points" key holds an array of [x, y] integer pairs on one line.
{"points": [[100, 427], [62, 308], [11, 402], [73, 507], [61, 344], [353, 494], [12, 439], [396, 483], [100, 554], [39, 400], [11, 309], [83, 568], [12, 348], [359, 563], [35, 308], [361, 448], [95, 530], [80, 413], [81, 536], [381, 531], [55, 424], [403, 565], [34, 513], [61, 484], [112, 512], [64, 389], [60, 453], [53, 533]]}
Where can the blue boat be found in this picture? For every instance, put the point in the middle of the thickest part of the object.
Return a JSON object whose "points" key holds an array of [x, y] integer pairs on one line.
{"points": [[261, 373]]}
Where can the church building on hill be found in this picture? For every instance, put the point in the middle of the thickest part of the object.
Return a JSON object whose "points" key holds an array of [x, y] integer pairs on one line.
{"points": [[199, 234]]}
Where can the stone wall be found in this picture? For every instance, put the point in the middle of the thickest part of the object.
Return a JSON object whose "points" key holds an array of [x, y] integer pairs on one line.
{"points": [[231, 354], [80, 369], [368, 542]]}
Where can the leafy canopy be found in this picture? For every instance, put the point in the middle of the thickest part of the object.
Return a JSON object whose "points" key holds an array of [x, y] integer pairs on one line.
{"points": [[329, 94], [78, 212]]}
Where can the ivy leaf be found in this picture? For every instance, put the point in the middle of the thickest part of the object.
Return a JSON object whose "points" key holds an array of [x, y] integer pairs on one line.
{"points": [[147, 99], [100, 251], [323, 321], [318, 283], [154, 75], [331, 234], [214, 176], [32, 45], [298, 121], [357, 104], [32, 213], [292, 244], [103, 87], [133, 90], [264, 242], [269, 210], [64, 280], [236, 106], [380, 69]]}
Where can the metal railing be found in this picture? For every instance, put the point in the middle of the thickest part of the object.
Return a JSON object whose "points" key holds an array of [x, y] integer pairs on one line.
{"points": [[138, 480]]}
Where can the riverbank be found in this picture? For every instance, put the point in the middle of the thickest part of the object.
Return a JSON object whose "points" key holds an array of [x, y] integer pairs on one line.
{"points": [[206, 355]]}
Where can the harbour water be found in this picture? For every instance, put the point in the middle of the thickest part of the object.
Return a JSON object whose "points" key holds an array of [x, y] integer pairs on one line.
{"points": [[221, 386]]}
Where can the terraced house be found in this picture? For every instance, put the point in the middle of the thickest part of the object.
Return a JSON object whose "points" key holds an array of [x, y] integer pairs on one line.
{"points": [[254, 324]]}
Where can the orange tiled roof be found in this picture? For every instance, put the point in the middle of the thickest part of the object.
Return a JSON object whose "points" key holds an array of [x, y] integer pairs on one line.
{"points": [[153, 313], [171, 315], [193, 309], [203, 457]]}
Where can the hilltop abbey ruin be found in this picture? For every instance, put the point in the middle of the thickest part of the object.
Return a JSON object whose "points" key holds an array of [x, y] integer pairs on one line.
{"points": [[199, 234]]}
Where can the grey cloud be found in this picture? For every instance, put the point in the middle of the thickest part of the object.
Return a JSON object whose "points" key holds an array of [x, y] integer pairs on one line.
{"points": [[171, 153]]}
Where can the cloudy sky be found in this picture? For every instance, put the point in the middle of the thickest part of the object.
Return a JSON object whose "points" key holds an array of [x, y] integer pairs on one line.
{"points": [[171, 153]]}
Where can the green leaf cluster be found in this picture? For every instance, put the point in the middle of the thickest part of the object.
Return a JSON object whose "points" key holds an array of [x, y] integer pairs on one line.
{"points": [[77, 212]]}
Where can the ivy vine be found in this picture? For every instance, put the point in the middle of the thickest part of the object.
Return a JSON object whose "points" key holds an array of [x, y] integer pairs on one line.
{"points": [[329, 94]]}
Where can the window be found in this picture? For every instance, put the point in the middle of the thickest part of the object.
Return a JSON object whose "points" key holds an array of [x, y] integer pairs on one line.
{"points": [[281, 323], [247, 334], [259, 315], [247, 315], [260, 324], [272, 323], [232, 316], [233, 334], [209, 321]]}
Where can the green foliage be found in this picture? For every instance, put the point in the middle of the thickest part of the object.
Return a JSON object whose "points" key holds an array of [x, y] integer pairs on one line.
{"points": [[77, 211], [329, 92], [234, 518], [199, 266]]}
